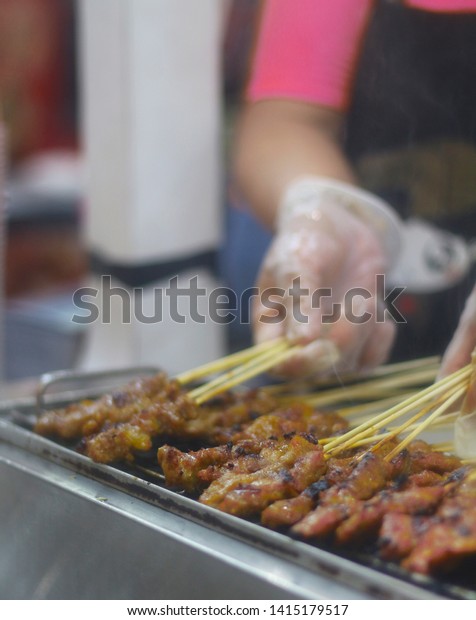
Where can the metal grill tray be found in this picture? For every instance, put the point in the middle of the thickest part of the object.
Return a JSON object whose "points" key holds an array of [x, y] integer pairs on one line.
{"points": [[375, 578]]}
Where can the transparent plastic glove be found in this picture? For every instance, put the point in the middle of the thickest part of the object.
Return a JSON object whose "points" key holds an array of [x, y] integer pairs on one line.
{"points": [[460, 352], [465, 425], [465, 435], [332, 240]]}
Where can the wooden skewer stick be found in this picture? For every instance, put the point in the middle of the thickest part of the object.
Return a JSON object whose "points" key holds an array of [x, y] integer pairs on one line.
{"points": [[150, 472], [226, 362], [410, 424], [444, 446], [372, 407], [371, 438], [288, 389], [371, 427], [455, 395], [408, 365], [369, 388], [248, 371], [406, 406], [429, 364], [243, 373], [444, 420], [254, 361]]}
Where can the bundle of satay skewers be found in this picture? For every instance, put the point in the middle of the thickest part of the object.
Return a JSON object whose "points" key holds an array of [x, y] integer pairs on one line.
{"points": [[344, 466]]}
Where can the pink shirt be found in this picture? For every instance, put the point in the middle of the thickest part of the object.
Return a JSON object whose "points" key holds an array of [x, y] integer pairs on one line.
{"points": [[307, 49]]}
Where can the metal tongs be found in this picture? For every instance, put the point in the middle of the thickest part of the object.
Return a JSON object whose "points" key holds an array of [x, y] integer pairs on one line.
{"points": [[77, 385]]}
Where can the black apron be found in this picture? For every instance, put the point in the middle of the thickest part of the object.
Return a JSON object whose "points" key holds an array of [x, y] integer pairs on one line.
{"points": [[416, 80], [411, 134], [412, 120]]}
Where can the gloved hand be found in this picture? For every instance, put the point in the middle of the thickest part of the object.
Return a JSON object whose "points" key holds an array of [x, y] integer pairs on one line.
{"points": [[335, 238], [457, 355]]}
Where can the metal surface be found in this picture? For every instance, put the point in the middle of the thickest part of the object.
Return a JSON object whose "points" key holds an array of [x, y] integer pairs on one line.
{"points": [[107, 528], [80, 382], [66, 536]]}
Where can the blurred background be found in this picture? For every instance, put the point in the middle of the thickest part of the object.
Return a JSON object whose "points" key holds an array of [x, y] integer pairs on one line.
{"points": [[44, 254], [61, 208], [117, 119]]}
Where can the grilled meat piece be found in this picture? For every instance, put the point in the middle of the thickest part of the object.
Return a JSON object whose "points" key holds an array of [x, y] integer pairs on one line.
{"points": [[220, 421], [367, 518], [292, 419], [287, 512], [265, 460], [368, 476], [399, 534], [340, 468], [194, 470], [429, 460], [181, 468], [281, 470], [166, 416], [450, 535], [89, 416], [212, 424], [419, 457], [425, 478]]}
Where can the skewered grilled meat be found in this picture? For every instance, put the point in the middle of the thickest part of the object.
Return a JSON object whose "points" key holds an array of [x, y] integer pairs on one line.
{"points": [[187, 469], [287, 512], [193, 470], [171, 415], [342, 512], [89, 416], [399, 534], [281, 470], [176, 416], [367, 518], [221, 420], [369, 475], [449, 536], [419, 457], [357, 499], [294, 418], [291, 511], [265, 460], [117, 425], [165, 416]]}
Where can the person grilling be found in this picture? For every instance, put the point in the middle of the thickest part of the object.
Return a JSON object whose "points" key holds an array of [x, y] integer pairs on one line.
{"points": [[342, 91]]}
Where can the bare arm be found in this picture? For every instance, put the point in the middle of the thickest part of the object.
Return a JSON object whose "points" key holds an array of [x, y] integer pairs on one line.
{"points": [[278, 141]]}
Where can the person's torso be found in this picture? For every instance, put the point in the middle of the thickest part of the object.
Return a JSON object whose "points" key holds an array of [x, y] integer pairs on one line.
{"points": [[412, 125]]}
